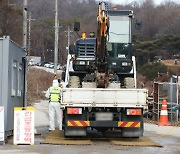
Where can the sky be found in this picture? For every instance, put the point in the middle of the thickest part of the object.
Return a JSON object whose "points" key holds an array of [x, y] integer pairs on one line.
{"points": [[157, 2]]}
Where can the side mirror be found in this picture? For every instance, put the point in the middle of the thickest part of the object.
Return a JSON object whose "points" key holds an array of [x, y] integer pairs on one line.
{"points": [[138, 25], [72, 49], [76, 26]]}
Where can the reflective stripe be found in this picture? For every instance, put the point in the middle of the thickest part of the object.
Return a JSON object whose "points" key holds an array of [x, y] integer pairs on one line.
{"points": [[81, 123], [131, 124], [54, 94], [77, 123], [164, 112]]}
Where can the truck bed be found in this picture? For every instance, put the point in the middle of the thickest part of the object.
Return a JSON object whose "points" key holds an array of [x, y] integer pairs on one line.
{"points": [[100, 97]]}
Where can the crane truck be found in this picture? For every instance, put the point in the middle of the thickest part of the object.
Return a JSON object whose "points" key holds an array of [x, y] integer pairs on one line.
{"points": [[99, 87]]}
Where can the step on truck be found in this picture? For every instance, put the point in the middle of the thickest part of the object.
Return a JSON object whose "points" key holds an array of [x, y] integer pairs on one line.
{"points": [[99, 83]]}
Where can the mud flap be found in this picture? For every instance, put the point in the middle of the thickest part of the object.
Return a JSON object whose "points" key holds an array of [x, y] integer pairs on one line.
{"points": [[74, 131], [132, 132]]}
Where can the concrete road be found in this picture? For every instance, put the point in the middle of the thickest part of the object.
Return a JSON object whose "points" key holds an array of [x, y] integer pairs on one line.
{"points": [[51, 70], [167, 136]]}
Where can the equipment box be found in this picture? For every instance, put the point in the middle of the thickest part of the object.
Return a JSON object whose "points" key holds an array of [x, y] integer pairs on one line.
{"points": [[12, 77]]}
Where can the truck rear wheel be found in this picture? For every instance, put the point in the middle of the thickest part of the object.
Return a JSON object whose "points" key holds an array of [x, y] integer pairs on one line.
{"points": [[129, 82]]}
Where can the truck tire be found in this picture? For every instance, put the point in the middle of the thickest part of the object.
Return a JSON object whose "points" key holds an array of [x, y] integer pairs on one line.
{"points": [[74, 82], [129, 82]]}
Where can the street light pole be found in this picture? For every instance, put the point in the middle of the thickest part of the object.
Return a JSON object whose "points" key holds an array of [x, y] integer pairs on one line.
{"points": [[56, 38]]}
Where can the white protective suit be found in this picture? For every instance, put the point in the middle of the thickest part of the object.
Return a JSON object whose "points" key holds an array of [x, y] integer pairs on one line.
{"points": [[54, 109]]}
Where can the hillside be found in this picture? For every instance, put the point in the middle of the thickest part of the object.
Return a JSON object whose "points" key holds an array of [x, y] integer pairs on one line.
{"points": [[159, 35], [157, 21], [165, 47], [38, 81], [175, 68]]}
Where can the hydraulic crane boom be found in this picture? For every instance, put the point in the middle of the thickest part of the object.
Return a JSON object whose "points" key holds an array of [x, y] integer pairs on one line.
{"points": [[101, 56], [102, 18]]}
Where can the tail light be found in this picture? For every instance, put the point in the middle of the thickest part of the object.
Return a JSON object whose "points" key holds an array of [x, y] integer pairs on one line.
{"points": [[74, 110], [134, 112]]}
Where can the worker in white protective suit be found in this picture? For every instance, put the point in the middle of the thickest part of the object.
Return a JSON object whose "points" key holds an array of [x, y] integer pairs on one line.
{"points": [[54, 95]]}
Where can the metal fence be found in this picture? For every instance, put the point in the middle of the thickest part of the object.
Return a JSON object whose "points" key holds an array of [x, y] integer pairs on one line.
{"points": [[170, 92]]}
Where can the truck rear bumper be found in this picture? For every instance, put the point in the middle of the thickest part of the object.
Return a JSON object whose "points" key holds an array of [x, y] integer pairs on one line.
{"points": [[101, 97], [80, 123]]}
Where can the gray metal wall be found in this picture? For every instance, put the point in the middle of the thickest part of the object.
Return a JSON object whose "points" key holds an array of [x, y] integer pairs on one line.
{"points": [[11, 79]]}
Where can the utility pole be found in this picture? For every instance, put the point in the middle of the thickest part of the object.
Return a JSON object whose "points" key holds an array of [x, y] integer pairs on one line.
{"points": [[68, 36], [69, 56], [25, 48], [56, 38], [29, 35], [25, 25]]}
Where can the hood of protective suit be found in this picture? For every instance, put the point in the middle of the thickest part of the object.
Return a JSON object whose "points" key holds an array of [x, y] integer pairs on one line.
{"points": [[55, 83]]}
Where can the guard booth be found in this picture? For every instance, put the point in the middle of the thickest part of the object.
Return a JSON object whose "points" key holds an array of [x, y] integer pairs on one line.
{"points": [[12, 80]]}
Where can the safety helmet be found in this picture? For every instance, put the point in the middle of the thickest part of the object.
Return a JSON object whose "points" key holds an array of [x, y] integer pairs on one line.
{"points": [[55, 83]]}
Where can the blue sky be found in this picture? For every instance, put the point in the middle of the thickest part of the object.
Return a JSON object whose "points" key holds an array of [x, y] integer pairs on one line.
{"points": [[129, 1]]}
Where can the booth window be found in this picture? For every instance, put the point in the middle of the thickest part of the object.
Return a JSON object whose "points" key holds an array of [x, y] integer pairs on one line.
{"points": [[19, 92], [14, 78]]}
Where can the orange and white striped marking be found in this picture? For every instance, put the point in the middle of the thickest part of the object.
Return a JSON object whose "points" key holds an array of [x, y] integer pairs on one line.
{"points": [[129, 124], [78, 123], [163, 121]]}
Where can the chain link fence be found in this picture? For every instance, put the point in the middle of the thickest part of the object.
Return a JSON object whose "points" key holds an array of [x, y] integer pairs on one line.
{"points": [[170, 92]]}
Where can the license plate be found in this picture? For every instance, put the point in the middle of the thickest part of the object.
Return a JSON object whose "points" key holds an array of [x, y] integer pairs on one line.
{"points": [[121, 56], [104, 116], [82, 62], [124, 64]]}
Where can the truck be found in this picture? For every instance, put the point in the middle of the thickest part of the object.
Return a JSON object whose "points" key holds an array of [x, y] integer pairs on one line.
{"points": [[99, 83]]}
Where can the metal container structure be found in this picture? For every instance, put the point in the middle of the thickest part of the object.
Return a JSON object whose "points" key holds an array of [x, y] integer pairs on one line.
{"points": [[12, 80]]}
